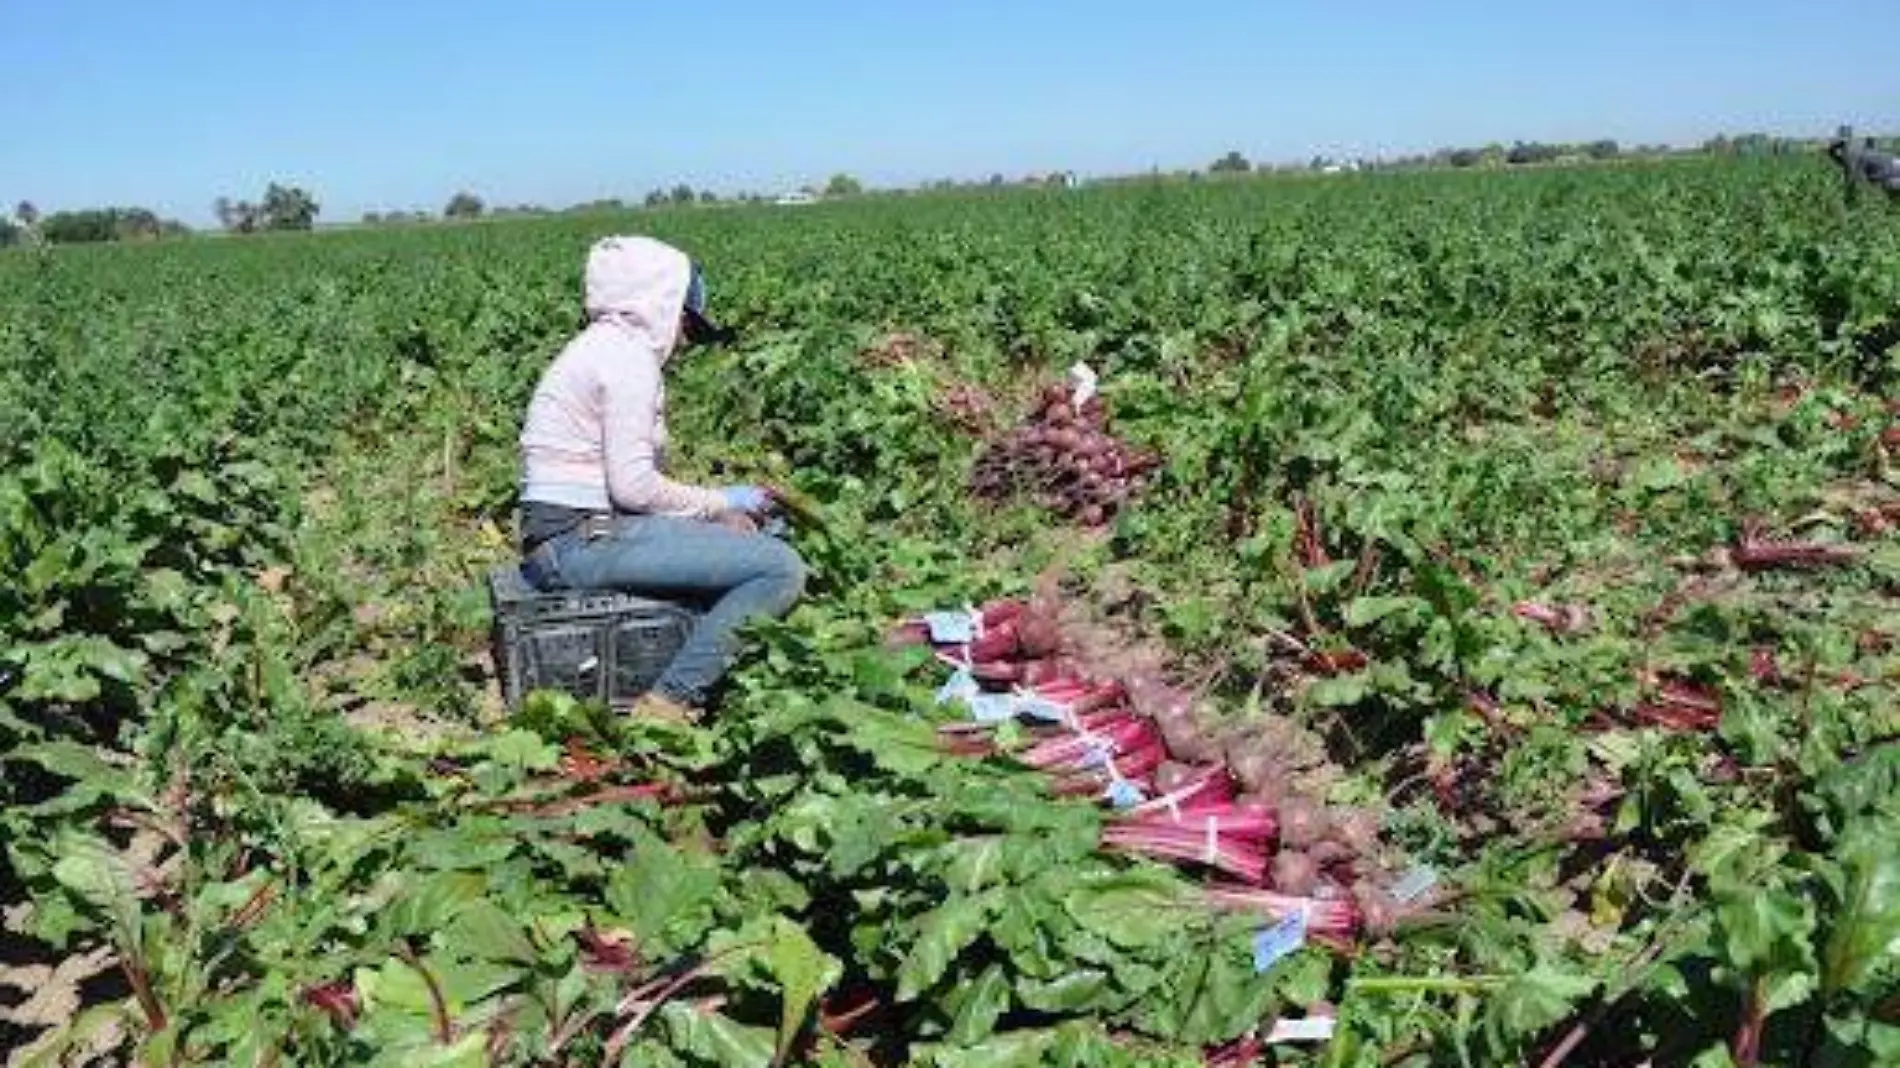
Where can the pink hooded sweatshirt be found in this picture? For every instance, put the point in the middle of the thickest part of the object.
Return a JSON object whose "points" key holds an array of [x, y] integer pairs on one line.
{"points": [[595, 437]]}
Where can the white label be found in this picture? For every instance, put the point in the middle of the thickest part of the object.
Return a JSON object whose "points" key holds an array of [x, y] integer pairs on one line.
{"points": [[1310, 1029], [1043, 709], [992, 707], [1415, 884], [961, 687], [1084, 380], [1273, 943], [950, 628]]}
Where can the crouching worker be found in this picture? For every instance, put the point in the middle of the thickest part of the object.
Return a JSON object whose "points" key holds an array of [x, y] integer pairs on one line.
{"points": [[1866, 163], [597, 510]]}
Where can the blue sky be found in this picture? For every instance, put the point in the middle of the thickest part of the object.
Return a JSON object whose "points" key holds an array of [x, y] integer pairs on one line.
{"points": [[398, 103]]}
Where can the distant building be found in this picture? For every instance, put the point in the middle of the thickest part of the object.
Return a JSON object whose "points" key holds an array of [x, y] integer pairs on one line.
{"points": [[789, 200]]}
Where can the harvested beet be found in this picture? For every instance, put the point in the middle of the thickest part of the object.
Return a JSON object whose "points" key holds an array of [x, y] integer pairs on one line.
{"points": [[1357, 829], [1038, 636], [1040, 672], [1185, 739], [1301, 823], [1064, 459], [1172, 775], [1252, 765], [1378, 914], [1294, 873], [997, 671], [1326, 852]]}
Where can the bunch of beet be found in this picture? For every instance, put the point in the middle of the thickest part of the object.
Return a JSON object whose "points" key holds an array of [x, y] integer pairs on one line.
{"points": [[1064, 458], [1017, 644], [1240, 799]]}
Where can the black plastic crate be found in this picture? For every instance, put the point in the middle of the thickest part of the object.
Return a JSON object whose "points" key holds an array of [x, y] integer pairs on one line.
{"points": [[595, 644]]}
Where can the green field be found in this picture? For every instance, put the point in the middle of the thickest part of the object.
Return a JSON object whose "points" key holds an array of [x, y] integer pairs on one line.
{"points": [[1554, 512]]}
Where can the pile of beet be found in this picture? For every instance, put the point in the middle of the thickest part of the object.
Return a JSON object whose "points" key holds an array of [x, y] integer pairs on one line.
{"points": [[1065, 459], [1240, 798]]}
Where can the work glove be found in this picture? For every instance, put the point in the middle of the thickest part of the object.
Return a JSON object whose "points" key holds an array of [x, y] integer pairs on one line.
{"points": [[751, 500]]}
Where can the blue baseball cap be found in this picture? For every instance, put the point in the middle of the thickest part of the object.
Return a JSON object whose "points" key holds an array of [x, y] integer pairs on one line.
{"points": [[700, 329]]}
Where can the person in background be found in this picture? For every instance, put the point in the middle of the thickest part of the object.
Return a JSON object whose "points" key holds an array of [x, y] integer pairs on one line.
{"points": [[1865, 163], [597, 509]]}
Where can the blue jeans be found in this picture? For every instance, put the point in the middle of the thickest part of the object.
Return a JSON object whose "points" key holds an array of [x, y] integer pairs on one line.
{"points": [[743, 575]]}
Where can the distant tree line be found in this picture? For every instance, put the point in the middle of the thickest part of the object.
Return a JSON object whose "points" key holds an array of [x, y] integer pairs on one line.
{"points": [[284, 207], [85, 226], [1532, 153], [290, 207]]}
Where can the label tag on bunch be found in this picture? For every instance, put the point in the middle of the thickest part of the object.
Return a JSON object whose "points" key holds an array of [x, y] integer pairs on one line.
{"points": [[1124, 794], [1414, 884], [1082, 377], [951, 628], [1309, 1029], [961, 687], [1276, 942], [991, 707], [1043, 709]]}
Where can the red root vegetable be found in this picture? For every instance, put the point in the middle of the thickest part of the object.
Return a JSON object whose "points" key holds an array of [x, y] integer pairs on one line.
{"points": [[1172, 775], [1681, 705], [1066, 460], [1336, 661], [1038, 636], [996, 643], [1242, 1052], [997, 671], [338, 1000], [1253, 765], [1300, 823], [1762, 665], [996, 613], [965, 743], [1753, 552], [1357, 829], [1556, 618], [1379, 915], [1295, 873], [1040, 672], [915, 633], [1328, 853]]}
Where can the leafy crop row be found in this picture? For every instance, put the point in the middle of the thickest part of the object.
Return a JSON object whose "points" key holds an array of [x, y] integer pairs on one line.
{"points": [[1558, 510]]}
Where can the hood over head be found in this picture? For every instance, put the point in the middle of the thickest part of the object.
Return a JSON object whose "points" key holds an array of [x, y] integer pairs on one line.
{"points": [[640, 283]]}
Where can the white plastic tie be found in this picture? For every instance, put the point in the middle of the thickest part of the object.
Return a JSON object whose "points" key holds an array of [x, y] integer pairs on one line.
{"points": [[1114, 773], [1212, 849]]}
